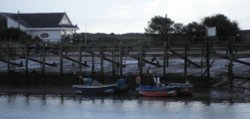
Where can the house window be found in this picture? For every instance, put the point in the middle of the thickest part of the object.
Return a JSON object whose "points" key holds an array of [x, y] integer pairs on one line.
{"points": [[44, 35]]}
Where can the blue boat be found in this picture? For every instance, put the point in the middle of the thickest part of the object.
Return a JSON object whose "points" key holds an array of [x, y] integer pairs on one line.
{"points": [[93, 87], [156, 91], [164, 89]]}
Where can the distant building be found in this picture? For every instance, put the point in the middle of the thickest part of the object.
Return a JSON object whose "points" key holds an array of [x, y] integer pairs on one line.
{"points": [[46, 26]]}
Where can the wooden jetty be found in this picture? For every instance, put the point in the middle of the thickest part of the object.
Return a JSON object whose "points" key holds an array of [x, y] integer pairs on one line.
{"points": [[116, 54]]}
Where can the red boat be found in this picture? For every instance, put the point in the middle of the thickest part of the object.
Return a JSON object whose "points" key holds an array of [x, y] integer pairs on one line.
{"points": [[156, 91]]}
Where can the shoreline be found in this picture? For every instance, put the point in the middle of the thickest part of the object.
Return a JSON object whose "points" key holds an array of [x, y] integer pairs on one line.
{"points": [[199, 94]]}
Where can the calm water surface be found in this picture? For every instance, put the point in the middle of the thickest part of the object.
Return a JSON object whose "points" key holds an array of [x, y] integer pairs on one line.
{"points": [[80, 107]]}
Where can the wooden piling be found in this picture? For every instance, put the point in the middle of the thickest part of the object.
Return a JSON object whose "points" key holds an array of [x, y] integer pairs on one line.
{"points": [[10, 80], [167, 50], [80, 58], [61, 61], [43, 58], [141, 61], [121, 60], [102, 63], [8, 57], [113, 65], [93, 64], [27, 63], [185, 59], [164, 59], [202, 60], [207, 57], [230, 65]]}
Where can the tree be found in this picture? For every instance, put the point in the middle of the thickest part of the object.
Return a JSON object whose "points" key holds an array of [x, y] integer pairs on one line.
{"points": [[160, 26], [15, 34], [224, 26], [178, 28], [194, 29]]}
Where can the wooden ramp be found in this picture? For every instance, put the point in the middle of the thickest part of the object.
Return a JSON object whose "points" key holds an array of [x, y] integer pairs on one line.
{"points": [[235, 60], [68, 58], [149, 62], [11, 63], [105, 58], [45, 63], [182, 57]]}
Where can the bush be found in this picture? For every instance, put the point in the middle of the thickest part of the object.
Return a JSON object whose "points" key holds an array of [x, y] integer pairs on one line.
{"points": [[14, 34]]}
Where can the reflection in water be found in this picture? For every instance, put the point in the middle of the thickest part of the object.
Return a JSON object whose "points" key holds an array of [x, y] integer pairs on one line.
{"points": [[27, 101], [62, 99], [43, 99], [101, 107]]}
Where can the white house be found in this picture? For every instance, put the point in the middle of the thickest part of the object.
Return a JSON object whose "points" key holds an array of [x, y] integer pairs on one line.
{"points": [[46, 26]]}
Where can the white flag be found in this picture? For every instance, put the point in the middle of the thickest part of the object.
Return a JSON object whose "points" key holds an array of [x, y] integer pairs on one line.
{"points": [[211, 31]]}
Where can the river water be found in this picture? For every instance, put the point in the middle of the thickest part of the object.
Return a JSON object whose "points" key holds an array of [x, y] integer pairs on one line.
{"points": [[15, 106]]}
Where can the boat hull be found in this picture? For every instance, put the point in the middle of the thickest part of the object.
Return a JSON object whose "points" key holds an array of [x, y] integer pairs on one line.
{"points": [[92, 90], [156, 91]]}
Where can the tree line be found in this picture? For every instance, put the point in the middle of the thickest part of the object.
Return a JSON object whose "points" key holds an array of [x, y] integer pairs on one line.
{"points": [[163, 27]]}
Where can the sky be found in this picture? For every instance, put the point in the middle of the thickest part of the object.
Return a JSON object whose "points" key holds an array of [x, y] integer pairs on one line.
{"points": [[132, 16]]}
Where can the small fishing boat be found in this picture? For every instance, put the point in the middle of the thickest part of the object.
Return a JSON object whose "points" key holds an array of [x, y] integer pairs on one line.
{"points": [[164, 89], [93, 87], [156, 91]]}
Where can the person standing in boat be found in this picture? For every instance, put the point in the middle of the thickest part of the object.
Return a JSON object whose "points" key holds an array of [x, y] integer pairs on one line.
{"points": [[157, 80], [150, 76]]}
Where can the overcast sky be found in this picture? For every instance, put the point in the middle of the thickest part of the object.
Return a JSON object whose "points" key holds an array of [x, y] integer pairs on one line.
{"points": [[125, 16]]}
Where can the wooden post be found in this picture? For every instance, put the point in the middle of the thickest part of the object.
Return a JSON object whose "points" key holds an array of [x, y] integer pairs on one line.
{"points": [[141, 61], [167, 49], [164, 59], [113, 65], [207, 56], [230, 65], [43, 59], [185, 58], [80, 58], [9, 56], [61, 61], [93, 65], [121, 60], [102, 62], [202, 60], [8, 64], [27, 64]]}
